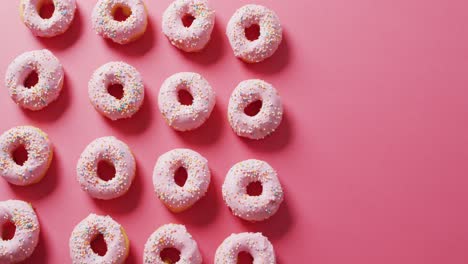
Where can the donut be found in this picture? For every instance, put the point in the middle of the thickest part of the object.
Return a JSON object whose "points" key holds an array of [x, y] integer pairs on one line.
{"points": [[266, 120], [195, 36], [26, 236], [255, 244], [50, 79], [248, 207], [186, 117], [87, 230], [110, 74], [40, 152], [116, 153], [58, 23], [171, 236], [268, 41], [175, 197], [121, 32]]}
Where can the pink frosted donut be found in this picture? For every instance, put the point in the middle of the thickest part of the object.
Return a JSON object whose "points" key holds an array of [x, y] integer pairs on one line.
{"points": [[121, 32], [50, 79], [116, 73], [186, 117], [23, 243], [268, 41], [115, 152], [87, 230], [171, 236], [175, 197], [266, 120], [58, 23], [255, 244], [245, 206], [40, 153], [195, 36]]}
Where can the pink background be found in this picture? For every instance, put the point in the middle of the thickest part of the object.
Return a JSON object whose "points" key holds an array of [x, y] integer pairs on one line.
{"points": [[372, 153]]}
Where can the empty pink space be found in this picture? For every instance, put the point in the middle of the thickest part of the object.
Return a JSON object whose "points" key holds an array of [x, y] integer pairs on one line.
{"points": [[372, 152]]}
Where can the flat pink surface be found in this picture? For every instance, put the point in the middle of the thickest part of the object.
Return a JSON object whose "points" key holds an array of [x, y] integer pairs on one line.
{"points": [[372, 152]]}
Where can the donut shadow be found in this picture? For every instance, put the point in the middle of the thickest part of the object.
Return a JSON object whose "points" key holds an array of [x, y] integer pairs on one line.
{"points": [[205, 210], [68, 38], [132, 257], [138, 47], [55, 109], [206, 134], [212, 52], [136, 124], [44, 187], [274, 64], [40, 254], [278, 140], [125, 203]]}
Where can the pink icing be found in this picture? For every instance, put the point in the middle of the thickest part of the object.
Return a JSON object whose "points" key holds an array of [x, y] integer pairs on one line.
{"points": [[175, 197], [186, 117], [39, 150], [121, 32], [93, 225], [116, 73], [198, 34], [111, 150], [257, 245], [270, 37], [171, 236], [50, 73], [264, 122], [245, 206], [60, 21], [26, 237]]}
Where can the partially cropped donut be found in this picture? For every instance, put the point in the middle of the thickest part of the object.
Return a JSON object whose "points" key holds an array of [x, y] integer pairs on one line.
{"points": [[121, 32], [266, 120], [186, 117], [39, 148], [87, 230], [255, 244], [270, 37], [113, 73], [58, 23], [114, 152], [26, 236], [193, 37], [50, 79], [250, 207], [171, 236], [179, 198]]}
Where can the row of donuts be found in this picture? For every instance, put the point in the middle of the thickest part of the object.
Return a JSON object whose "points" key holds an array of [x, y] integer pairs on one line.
{"points": [[169, 236], [187, 24], [175, 196], [181, 116]]}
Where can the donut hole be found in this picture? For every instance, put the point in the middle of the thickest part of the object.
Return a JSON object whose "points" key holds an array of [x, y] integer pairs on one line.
{"points": [[31, 80], [255, 188], [244, 258], [46, 9], [253, 108], [8, 230], [99, 245], [120, 13], [187, 20], [20, 155], [105, 170], [180, 176], [116, 90], [185, 97], [252, 32], [170, 255]]}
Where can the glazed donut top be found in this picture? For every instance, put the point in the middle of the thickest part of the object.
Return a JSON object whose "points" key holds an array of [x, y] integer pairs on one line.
{"points": [[257, 245], [270, 37], [64, 12]]}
